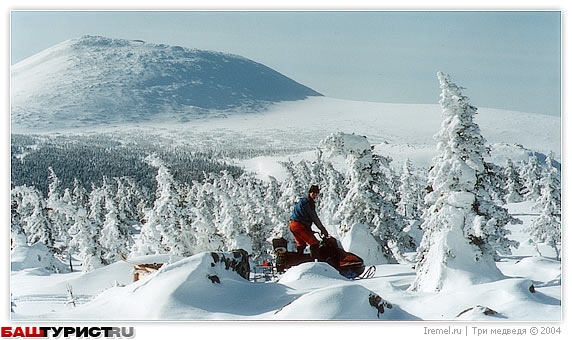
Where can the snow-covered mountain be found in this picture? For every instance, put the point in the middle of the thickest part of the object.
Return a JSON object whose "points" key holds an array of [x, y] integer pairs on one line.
{"points": [[94, 81]]}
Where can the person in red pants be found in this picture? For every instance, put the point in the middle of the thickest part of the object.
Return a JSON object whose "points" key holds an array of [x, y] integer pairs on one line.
{"points": [[303, 216]]}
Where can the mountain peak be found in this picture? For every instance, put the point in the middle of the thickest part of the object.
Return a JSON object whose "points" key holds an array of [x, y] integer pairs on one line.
{"points": [[95, 80]]}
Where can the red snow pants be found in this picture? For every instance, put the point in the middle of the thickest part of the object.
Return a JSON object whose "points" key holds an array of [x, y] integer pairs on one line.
{"points": [[302, 234]]}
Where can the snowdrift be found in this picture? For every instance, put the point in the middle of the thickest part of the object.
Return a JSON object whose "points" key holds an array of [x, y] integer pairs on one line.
{"points": [[199, 288], [36, 256], [360, 241]]}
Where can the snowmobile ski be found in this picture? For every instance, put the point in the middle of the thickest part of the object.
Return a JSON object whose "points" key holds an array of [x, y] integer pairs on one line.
{"points": [[367, 274]]}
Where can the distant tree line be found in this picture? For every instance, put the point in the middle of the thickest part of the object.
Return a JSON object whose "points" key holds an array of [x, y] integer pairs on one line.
{"points": [[89, 158]]}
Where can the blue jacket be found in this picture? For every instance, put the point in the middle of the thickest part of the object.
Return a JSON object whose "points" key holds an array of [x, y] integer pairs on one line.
{"points": [[305, 213]]}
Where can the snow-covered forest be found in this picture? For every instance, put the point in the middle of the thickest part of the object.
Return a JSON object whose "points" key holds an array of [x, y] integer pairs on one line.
{"points": [[226, 211], [221, 210]]}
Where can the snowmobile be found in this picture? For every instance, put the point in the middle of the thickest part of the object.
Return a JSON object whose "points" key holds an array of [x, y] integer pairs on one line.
{"points": [[347, 264]]}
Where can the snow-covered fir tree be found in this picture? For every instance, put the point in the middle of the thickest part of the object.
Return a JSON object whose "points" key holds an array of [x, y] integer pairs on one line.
{"points": [[389, 224], [531, 174], [229, 222], [411, 193], [492, 235], [514, 186], [34, 226], [33, 217], [80, 196], [85, 241], [368, 198], [167, 226], [332, 189], [547, 227], [255, 220], [130, 202], [17, 214], [458, 224], [360, 204], [277, 218], [304, 175], [115, 237], [60, 211], [96, 203], [202, 212], [292, 189], [494, 182]]}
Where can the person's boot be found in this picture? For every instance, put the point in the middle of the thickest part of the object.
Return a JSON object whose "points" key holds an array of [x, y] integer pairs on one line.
{"points": [[315, 252], [281, 262], [300, 249]]}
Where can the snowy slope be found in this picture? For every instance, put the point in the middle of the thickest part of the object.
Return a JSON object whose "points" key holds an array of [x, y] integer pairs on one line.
{"points": [[397, 130], [95, 81]]}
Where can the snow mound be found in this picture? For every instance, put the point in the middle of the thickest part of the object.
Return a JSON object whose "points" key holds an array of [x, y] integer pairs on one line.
{"points": [[326, 295], [541, 270], [340, 143], [311, 275], [513, 299], [116, 274], [361, 242], [35, 256], [198, 287], [342, 302]]}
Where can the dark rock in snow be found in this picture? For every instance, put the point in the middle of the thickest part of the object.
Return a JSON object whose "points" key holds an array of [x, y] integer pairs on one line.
{"points": [[214, 278], [378, 303], [478, 309], [237, 261]]}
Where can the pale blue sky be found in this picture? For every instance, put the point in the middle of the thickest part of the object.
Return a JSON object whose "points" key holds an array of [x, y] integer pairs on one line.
{"points": [[507, 60]]}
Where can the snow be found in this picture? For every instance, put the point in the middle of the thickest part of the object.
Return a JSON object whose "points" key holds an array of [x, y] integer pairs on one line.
{"points": [[31, 257], [360, 241]]}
